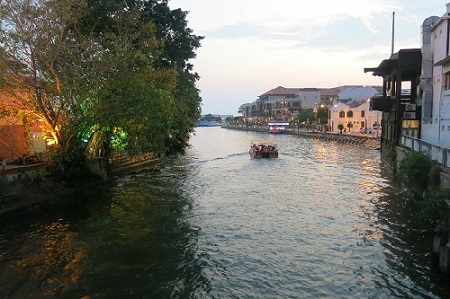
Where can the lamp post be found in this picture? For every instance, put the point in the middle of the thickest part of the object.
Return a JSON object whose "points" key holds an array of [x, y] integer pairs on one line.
{"points": [[315, 115]]}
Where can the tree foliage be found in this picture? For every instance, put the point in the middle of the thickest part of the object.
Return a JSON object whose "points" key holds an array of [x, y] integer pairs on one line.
{"points": [[91, 67], [418, 171]]}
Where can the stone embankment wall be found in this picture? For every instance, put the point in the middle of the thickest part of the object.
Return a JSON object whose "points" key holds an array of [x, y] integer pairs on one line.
{"points": [[12, 173], [372, 142]]}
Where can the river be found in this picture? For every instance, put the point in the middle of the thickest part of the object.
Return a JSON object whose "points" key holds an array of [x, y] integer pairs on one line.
{"points": [[324, 220]]}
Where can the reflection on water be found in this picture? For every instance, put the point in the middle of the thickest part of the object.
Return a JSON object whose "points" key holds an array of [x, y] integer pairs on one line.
{"points": [[323, 220], [42, 261]]}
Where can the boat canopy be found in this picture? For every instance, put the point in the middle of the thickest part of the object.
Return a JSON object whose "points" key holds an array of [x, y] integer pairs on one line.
{"points": [[262, 142]]}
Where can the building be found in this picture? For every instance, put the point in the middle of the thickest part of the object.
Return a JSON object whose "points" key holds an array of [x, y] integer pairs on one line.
{"points": [[16, 138], [400, 73], [284, 104], [355, 117], [309, 98], [416, 95], [435, 81], [279, 103], [329, 95], [13, 141]]}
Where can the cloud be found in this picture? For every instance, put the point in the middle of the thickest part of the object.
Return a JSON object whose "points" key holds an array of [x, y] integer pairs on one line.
{"points": [[237, 31], [252, 46]]}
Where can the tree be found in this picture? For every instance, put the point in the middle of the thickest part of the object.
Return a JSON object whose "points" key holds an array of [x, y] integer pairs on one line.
{"points": [[99, 67], [177, 48], [306, 115], [341, 128], [49, 68], [322, 115], [210, 117], [416, 170]]}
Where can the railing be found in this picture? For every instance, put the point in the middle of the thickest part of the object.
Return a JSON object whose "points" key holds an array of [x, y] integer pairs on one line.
{"points": [[435, 152]]}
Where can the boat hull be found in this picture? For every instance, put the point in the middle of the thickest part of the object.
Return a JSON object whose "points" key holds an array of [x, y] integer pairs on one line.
{"points": [[263, 154]]}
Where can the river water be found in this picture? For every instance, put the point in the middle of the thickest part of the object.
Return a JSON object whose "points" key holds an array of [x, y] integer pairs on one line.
{"points": [[324, 220]]}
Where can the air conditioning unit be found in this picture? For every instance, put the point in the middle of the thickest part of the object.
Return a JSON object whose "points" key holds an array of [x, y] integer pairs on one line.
{"points": [[410, 107]]}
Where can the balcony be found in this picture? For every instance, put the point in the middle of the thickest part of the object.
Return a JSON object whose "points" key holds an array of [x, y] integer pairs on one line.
{"points": [[381, 103]]}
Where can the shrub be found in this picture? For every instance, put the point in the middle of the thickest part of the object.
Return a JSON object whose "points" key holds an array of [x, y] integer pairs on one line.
{"points": [[415, 170], [432, 210]]}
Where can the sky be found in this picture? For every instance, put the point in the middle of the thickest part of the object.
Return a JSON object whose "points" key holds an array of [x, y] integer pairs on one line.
{"points": [[253, 46]]}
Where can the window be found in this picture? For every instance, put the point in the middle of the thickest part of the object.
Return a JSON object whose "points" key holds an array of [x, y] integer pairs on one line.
{"points": [[342, 114], [350, 114], [446, 81], [363, 113]]}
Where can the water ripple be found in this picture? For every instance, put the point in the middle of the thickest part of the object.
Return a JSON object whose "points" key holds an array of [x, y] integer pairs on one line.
{"points": [[322, 221]]}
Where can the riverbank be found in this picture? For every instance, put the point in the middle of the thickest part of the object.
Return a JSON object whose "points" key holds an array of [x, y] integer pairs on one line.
{"points": [[370, 140], [25, 186]]}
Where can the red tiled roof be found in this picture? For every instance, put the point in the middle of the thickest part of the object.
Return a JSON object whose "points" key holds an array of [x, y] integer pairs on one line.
{"points": [[309, 89], [280, 90]]}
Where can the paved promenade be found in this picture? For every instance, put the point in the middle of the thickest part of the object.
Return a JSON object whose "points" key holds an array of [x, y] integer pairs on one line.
{"points": [[371, 140]]}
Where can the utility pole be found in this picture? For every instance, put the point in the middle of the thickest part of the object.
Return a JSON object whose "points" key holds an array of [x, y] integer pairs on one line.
{"points": [[393, 27]]}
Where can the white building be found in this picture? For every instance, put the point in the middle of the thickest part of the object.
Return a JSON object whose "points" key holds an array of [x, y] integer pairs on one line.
{"points": [[435, 81], [355, 117], [309, 98]]}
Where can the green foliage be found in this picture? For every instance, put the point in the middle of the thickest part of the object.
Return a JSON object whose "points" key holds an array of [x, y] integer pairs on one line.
{"points": [[306, 115], [103, 66], [160, 106], [69, 165], [118, 141], [415, 169], [434, 175], [433, 210], [311, 115], [322, 115], [210, 117], [340, 127]]}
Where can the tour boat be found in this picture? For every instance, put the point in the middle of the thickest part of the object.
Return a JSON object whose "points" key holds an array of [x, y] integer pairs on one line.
{"points": [[263, 149]]}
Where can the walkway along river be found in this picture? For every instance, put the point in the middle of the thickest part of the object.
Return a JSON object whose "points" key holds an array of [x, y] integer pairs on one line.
{"points": [[323, 220]]}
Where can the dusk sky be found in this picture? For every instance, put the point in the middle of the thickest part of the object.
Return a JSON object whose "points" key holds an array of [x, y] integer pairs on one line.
{"points": [[253, 46]]}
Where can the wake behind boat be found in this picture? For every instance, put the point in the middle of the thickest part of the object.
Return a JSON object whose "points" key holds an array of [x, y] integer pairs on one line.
{"points": [[263, 149]]}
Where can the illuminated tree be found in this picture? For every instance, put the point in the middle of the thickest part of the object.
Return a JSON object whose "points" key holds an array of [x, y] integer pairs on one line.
{"points": [[100, 67]]}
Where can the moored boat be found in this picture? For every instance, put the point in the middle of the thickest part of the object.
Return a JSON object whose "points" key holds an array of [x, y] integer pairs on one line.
{"points": [[263, 149]]}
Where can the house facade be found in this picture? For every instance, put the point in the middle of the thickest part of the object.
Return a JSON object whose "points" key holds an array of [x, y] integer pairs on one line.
{"points": [[16, 138], [13, 141], [355, 117], [309, 98], [279, 103], [400, 73], [435, 102], [328, 96], [284, 104], [416, 95]]}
